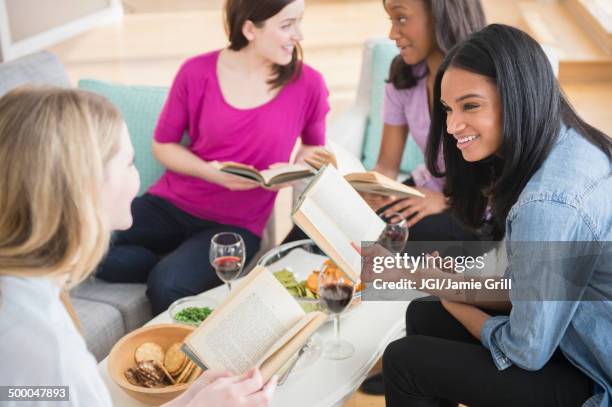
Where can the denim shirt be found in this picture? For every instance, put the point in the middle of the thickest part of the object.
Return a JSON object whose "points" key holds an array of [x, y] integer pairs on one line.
{"points": [[568, 199]]}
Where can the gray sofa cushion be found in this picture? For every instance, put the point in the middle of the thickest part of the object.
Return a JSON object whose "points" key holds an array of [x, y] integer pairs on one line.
{"points": [[101, 324], [40, 68], [129, 299]]}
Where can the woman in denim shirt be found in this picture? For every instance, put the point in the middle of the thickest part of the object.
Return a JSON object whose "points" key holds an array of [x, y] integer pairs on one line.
{"points": [[512, 142]]}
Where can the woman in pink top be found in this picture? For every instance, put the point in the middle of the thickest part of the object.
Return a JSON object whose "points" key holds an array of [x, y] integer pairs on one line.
{"points": [[247, 103], [424, 31]]}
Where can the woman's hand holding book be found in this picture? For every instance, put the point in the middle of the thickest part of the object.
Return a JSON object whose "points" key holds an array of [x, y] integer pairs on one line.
{"points": [[229, 181], [223, 389]]}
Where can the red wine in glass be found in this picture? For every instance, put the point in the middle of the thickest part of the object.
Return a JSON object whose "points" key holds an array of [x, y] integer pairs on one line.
{"points": [[335, 293], [394, 238], [227, 267], [394, 235], [336, 296]]}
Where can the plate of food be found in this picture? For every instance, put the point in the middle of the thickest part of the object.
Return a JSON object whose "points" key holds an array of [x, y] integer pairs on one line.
{"points": [[297, 265]]}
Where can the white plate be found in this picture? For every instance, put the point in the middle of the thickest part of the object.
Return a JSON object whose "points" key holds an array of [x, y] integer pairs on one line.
{"points": [[301, 263]]}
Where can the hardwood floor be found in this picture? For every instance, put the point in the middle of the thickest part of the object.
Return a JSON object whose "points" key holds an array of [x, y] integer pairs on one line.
{"points": [[157, 35]]}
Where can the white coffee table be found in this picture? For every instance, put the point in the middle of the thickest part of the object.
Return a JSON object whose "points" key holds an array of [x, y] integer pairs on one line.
{"points": [[370, 327]]}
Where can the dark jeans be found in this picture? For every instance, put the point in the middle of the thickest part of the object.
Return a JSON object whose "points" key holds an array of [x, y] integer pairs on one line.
{"points": [[168, 249], [439, 363]]}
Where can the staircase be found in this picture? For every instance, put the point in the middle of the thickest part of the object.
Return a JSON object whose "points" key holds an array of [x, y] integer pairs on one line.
{"points": [[579, 30]]}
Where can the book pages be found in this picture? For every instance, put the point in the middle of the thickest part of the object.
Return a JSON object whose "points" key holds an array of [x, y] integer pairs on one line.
{"points": [[335, 216], [286, 173], [243, 329]]}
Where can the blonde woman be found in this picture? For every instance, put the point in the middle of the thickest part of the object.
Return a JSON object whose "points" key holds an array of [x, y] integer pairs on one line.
{"points": [[66, 180]]}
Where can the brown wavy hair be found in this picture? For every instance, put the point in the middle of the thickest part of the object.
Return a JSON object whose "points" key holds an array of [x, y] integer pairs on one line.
{"points": [[238, 12]]}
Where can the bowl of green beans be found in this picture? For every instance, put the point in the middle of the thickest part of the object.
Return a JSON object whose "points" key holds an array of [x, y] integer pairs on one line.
{"points": [[191, 310]]}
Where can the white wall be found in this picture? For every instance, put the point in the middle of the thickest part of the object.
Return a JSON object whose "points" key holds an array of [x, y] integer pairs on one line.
{"points": [[30, 17], [28, 26]]}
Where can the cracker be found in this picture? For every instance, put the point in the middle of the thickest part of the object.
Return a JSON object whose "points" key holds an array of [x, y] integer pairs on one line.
{"points": [[174, 359], [132, 376], [186, 373], [149, 351], [168, 376], [194, 375], [183, 366], [150, 369]]}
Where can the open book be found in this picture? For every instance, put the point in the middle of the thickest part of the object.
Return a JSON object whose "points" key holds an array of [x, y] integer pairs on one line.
{"points": [[366, 181], [269, 177], [258, 325], [376, 183], [335, 216]]}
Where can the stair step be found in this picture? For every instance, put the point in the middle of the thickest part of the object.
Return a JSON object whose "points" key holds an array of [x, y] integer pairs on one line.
{"points": [[591, 71], [595, 18], [554, 24]]}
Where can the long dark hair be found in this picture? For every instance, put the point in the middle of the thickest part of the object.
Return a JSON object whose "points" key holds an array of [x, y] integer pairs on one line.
{"points": [[238, 12], [533, 109], [453, 21]]}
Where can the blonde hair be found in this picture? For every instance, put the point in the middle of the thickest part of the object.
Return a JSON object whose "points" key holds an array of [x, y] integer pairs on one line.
{"points": [[54, 144]]}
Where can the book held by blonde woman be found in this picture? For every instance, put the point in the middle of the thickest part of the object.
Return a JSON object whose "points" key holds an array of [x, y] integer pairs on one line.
{"points": [[259, 325]]}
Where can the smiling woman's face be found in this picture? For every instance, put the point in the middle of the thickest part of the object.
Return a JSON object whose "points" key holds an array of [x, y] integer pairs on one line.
{"points": [[474, 113], [280, 34], [412, 29]]}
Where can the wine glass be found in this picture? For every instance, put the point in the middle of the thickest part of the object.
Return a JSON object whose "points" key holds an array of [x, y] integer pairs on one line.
{"points": [[227, 254], [335, 293], [395, 233]]}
